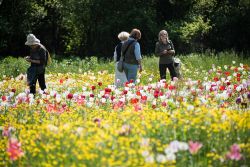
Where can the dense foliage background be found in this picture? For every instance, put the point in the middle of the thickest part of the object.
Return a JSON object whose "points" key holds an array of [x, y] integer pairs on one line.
{"points": [[90, 28]]}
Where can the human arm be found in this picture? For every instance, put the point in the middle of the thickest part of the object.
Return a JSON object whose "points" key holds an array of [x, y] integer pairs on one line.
{"points": [[137, 53], [164, 49], [140, 65], [171, 51], [159, 51], [115, 55], [37, 57], [28, 59], [118, 50]]}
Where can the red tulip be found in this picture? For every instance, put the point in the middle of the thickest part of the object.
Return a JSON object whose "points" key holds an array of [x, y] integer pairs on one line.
{"points": [[216, 79], [156, 95], [13, 90], [70, 96], [171, 87], [126, 84], [144, 98], [93, 87], [125, 92], [134, 100], [4, 98], [112, 97], [138, 93], [227, 73], [166, 85], [222, 87], [107, 90]]}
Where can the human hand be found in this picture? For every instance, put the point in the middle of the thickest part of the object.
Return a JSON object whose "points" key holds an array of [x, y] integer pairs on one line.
{"points": [[165, 52], [27, 58], [140, 68]]}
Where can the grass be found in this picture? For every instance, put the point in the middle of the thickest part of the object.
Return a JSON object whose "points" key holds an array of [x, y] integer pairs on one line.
{"points": [[12, 67]]}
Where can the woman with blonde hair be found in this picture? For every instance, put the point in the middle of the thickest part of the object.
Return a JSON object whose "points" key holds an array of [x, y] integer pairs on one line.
{"points": [[120, 77], [164, 48]]}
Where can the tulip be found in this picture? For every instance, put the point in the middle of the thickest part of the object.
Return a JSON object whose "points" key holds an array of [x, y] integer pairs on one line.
{"points": [[238, 100], [194, 147], [13, 90], [6, 131], [234, 153], [70, 96], [4, 98], [14, 149], [97, 121], [93, 87]]}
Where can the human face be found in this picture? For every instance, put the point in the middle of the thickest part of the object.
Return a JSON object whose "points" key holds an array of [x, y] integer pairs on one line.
{"points": [[164, 37], [33, 46]]}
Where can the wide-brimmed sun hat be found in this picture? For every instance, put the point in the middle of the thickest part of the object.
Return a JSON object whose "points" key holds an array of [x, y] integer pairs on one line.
{"points": [[32, 40]]}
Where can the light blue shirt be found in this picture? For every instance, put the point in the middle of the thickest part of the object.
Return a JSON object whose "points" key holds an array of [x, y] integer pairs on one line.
{"points": [[137, 50]]}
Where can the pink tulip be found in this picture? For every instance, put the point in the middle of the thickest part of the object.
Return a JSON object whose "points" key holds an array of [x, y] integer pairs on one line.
{"points": [[14, 149], [7, 131], [137, 107], [234, 153], [194, 147]]}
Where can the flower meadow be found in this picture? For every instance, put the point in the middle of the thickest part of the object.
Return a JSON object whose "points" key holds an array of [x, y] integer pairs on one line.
{"points": [[82, 119]]}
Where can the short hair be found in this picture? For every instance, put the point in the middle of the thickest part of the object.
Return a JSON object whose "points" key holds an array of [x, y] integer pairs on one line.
{"points": [[162, 32], [136, 34], [123, 36]]}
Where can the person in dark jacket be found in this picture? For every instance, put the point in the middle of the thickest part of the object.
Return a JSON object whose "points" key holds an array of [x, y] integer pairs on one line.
{"points": [[164, 48], [132, 55], [37, 60]]}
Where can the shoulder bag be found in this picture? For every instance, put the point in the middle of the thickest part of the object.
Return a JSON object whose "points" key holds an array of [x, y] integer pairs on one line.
{"points": [[120, 65]]}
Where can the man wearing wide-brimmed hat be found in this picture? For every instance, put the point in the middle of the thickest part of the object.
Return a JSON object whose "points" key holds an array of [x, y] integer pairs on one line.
{"points": [[37, 59]]}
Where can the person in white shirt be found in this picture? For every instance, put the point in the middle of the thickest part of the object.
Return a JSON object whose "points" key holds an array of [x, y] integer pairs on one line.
{"points": [[120, 77]]}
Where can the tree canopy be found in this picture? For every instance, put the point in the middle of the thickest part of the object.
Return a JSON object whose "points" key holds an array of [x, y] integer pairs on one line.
{"points": [[90, 28]]}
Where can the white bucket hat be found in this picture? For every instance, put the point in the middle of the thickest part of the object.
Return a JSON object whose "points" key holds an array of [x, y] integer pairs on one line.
{"points": [[32, 40]]}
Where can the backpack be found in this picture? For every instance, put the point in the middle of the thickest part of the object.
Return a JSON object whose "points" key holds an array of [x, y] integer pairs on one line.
{"points": [[48, 59]]}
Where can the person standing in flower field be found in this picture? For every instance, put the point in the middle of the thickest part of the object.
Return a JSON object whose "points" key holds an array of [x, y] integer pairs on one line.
{"points": [[131, 52], [120, 77], [38, 59], [164, 48]]}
